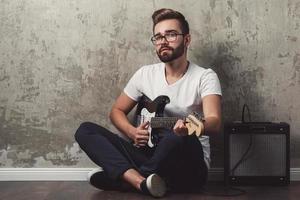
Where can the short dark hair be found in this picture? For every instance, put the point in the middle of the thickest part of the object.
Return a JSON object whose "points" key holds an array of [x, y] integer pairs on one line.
{"points": [[166, 13]]}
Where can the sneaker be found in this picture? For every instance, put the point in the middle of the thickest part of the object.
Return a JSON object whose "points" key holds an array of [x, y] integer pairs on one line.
{"points": [[99, 179], [154, 185]]}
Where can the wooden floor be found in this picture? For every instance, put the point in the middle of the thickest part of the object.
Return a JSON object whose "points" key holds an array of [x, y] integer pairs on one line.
{"points": [[83, 191]]}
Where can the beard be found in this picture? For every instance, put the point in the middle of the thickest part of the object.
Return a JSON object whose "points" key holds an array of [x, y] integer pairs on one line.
{"points": [[169, 57]]}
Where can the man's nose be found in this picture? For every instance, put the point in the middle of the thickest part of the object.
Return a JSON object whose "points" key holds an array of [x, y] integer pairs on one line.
{"points": [[164, 40]]}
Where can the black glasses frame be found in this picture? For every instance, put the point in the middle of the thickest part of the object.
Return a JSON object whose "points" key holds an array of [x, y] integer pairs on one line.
{"points": [[153, 40]]}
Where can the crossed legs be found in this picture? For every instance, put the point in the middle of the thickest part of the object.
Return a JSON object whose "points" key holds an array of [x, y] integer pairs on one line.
{"points": [[176, 158]]}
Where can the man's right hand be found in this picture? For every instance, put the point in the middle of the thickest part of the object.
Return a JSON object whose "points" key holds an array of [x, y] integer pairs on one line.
{"points": [[141, 135]]}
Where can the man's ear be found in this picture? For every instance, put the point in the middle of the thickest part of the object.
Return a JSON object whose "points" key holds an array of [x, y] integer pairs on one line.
{"points": [[187, 40]]}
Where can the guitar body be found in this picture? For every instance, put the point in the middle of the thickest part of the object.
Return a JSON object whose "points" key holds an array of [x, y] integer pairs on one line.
{"points": [[153, 112], [147, 109]]}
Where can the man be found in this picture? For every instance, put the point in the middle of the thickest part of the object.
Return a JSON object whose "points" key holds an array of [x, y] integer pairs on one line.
{"points": [[179, 161]]}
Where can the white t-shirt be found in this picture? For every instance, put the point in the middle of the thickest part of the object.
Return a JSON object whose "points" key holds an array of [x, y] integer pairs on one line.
{"points": [[185, 94]]}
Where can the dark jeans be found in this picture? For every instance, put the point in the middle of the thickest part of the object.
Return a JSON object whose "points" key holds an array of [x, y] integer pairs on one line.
{"points": [[179, 160]]}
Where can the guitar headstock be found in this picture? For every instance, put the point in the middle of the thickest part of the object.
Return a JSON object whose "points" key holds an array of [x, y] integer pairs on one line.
{"points": [[194, 124]]}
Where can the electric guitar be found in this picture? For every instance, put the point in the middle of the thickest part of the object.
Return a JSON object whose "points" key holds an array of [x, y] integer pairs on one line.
{"points": [[152, 111]]}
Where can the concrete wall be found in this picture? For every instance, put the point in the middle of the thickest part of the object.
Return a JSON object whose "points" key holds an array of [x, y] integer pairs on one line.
{"points": [[63, 62]]}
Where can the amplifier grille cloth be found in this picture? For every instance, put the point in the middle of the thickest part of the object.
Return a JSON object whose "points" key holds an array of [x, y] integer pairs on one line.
{"points": [[266, 157]]}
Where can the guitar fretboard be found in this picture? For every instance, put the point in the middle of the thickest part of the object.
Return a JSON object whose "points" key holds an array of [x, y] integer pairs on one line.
{"points": [[164, 122]]}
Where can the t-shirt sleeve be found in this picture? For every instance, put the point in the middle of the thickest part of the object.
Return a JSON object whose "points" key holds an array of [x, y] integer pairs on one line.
{"points": [[133, 89], [210, 84]]}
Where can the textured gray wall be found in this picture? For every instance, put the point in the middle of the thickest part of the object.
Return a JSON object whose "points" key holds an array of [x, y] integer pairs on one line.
{"points": [[63, 62]]}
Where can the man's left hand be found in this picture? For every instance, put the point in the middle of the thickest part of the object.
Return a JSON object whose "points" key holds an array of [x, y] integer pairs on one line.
{"points": [[180, 129]]}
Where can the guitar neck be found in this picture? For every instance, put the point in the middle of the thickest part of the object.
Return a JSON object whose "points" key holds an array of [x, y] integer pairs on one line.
{"points": [[163, 122]]}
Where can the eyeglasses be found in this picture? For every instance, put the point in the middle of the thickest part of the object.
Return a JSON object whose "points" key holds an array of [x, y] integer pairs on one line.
{"points": [[169, 37]]}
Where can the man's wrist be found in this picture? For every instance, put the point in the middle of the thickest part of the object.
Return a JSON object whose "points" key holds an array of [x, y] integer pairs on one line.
{"points": [[131, 131]]}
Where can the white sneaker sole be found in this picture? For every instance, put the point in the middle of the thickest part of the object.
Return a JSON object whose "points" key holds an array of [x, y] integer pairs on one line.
{"points": [[156, 185]]}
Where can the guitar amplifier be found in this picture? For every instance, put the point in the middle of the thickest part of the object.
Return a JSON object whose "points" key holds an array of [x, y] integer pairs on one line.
{"points": [[257, 153]]}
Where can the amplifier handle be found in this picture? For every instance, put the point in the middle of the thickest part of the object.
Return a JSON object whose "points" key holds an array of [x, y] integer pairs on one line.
{"points": [[258, 128]]}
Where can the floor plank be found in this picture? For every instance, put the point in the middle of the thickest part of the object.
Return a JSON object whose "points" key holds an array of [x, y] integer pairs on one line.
{"points": [[83, 191]]}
